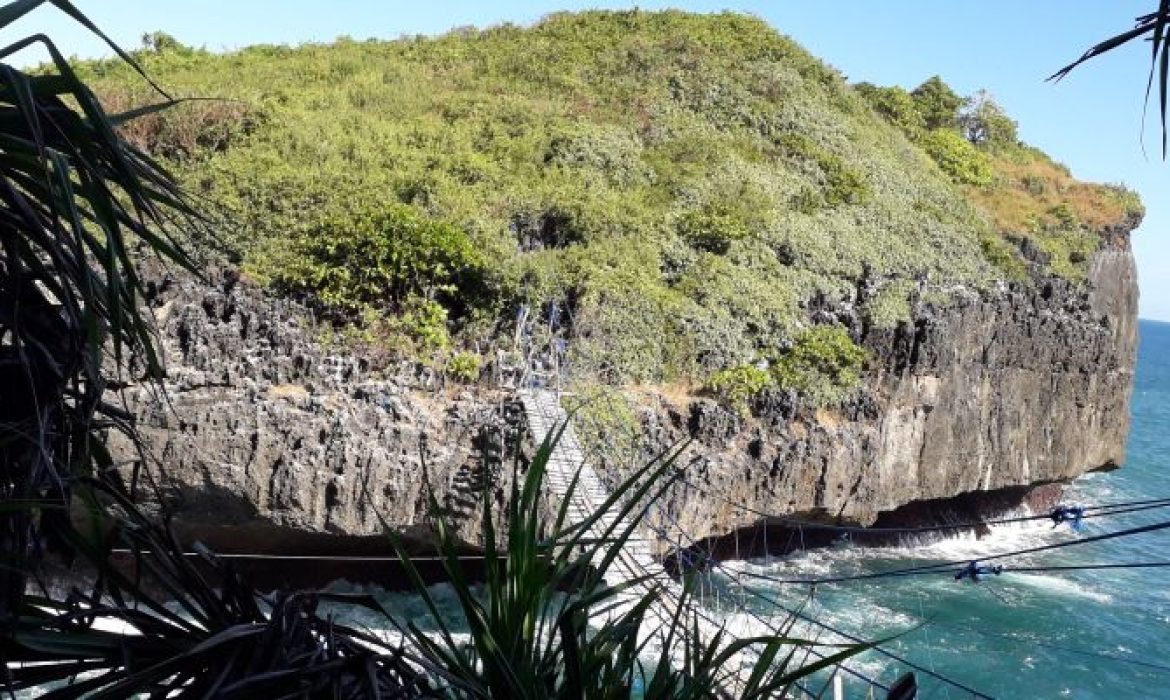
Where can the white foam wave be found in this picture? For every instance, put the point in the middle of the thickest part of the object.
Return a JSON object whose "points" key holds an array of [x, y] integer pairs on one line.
{"points": [[1057, 585]]}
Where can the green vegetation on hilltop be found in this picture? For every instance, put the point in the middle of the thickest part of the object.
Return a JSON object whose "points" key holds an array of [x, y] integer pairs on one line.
{"points": [[683, 184], [1021, 191]]}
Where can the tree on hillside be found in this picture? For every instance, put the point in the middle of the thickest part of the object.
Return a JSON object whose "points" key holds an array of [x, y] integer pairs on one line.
{"points": [[986, 124], [159, 42], [896, 105], [937, 103]]}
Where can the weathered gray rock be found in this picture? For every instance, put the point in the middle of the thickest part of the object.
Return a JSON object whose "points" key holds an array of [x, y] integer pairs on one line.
{"points": [[1026, 384], [262, 424]]}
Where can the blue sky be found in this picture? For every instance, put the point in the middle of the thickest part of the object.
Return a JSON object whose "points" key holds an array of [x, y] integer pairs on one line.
{"points": [[1092, 121]]}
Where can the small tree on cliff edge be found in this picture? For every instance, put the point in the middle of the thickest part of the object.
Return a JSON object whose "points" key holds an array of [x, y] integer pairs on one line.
{"points": [[937, 103]]}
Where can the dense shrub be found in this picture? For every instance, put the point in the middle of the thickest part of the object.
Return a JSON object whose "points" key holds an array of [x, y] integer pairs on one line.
{"points": [[1004, 256], [937, 103], [185, 130], [985, 124], [842, 184], [604, 420], [713, 228], [823, 364], [425, 322], [895, 105], [960, 160], [611, 151], [378, 257], [465, 367], [739, 384], [891, 305]]}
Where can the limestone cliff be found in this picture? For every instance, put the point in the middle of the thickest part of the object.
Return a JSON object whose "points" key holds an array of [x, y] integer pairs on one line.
{"points": [[263, 426], [1026, 384]]}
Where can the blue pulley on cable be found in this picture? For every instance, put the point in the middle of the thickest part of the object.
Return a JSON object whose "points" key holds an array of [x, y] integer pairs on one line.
{"points": [[1068, 514], [976, 571]]}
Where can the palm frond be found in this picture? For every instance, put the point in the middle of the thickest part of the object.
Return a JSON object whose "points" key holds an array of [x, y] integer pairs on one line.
{"points": [[78, 208], [544, 623], [1152, 26], [174, 624]]}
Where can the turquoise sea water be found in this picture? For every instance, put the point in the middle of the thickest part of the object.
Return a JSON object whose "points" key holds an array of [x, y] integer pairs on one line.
{"points": [[1079, 634]]}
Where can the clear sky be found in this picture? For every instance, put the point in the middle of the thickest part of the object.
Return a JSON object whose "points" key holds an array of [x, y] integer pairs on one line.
{"points": [[1092, 121]]}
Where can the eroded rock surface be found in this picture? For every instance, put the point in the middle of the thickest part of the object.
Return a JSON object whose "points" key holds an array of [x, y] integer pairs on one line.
{"points": [[1026, 384], [261, 424]]}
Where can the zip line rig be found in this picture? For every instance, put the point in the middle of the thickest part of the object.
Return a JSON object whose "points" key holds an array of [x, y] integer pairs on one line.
{"points": [[690, 551], [974, 571]]}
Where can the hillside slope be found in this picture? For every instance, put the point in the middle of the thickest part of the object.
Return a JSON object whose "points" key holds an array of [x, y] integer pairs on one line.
{"points": [[686, 187]]}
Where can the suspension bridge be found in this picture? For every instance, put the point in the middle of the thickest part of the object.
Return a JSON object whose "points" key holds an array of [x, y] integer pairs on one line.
{"points": [[572, 480]]}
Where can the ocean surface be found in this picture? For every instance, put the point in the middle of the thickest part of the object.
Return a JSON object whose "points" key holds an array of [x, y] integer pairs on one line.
{"points": [[1060, 634], [1056, 634]]}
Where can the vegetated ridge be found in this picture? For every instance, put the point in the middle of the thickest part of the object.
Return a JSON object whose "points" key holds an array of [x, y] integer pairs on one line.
{"points": [[689, 188]]}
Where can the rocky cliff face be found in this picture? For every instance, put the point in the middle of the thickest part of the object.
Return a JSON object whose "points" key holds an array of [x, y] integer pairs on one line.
{"points": [[262, 426], [1027, 384], [1023, 386]]}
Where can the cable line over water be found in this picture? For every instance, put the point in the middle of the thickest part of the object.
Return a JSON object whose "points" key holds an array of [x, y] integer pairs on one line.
{"points": [[811, 620], [1114, 509], [939, 567], [793, 614], [1087, 512], [1066, 514], [796, 614]]}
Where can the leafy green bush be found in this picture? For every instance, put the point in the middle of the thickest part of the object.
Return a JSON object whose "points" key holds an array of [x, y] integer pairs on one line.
{"points": [[425, 322], [841, 183], [958, 158], [895, 105], [604, 420], [713, 228], [739, 384], [823, 364], [609, 150], [937, 103], [377, 257], [465, 367], [1067, 251], [891, 305], [1004, 256], [985, 124], [1064, 217]]}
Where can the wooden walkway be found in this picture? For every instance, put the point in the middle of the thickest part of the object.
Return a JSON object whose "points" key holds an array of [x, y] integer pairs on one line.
{"points": [[545, 415]]}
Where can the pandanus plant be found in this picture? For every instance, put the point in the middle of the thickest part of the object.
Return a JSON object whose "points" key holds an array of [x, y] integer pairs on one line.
{"points": [[77, 204]]}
